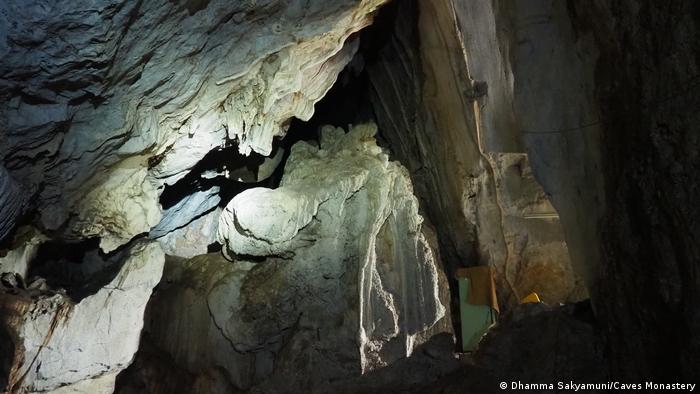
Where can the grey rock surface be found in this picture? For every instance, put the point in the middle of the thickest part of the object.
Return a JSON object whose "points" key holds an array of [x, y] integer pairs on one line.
{"points": [[106, 101], [194, 238], [21, 251], [450, 84]]}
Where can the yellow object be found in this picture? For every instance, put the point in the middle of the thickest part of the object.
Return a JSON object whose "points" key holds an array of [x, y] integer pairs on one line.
{"points": [[532, 297]]}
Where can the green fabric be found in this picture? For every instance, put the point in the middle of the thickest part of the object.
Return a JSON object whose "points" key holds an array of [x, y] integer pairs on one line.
{"points": [[475, 319]]}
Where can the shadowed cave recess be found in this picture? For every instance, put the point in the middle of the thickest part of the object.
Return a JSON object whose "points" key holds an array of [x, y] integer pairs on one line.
{"points": [[352, 196]]}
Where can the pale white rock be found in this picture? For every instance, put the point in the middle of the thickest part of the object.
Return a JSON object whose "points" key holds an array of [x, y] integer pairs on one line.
{"points": [[290, 84], [100, 385], [332, 277], [84, 344], [91, 84], [123, 205], [353, 235]]}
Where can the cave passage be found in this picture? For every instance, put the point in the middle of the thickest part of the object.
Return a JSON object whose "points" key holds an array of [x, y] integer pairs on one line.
{"points": [[506, 199]]}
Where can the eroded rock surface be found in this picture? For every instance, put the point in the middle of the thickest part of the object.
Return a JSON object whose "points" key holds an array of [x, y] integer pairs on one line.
{"points": [[106, 101], [21, 251], [56, 342], [331, 277], [361, 210], [194, 238]]}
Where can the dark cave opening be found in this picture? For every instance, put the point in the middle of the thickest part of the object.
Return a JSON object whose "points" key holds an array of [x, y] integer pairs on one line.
{"points": [[79, 269], [210, 172]]}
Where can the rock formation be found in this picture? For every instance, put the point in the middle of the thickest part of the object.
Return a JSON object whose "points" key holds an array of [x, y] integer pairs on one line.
{"points": [[339, 279], [11, 202], [552, 141], [103, 110], [60, 342], [598, 96]]}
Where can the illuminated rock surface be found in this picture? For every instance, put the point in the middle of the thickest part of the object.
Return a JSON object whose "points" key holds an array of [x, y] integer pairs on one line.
{"points": [[344, 280], [360, 219], [102, 109], [553, 141], [194, 238], [80, 340]]}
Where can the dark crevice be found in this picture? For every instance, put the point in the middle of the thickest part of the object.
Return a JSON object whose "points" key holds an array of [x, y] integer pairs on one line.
{"points": [[7, 352], [209, 172], [214, 247], [79, 268]]}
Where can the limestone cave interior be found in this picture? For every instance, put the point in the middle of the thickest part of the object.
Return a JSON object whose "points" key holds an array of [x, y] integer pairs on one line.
{"points": [[349, 196]]}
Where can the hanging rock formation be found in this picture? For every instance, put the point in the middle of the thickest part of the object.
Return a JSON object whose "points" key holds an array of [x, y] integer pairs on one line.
{"points": [[339, 279], [102, 109]]}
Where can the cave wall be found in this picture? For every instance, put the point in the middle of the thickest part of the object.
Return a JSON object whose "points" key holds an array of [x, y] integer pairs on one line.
{"points": [[597, 97], [602, 92], [325, 280], [466, 159], [78, 338], [107, 103], [649, 284], [11, 202]]}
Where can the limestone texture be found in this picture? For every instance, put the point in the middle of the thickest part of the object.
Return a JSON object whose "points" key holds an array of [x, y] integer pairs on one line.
{"points": [[363, 210], [330, 277], [59, 342], [21, 251], [105, 102], [193, 206], [601, 96], [194, 238], [555, 141]]}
